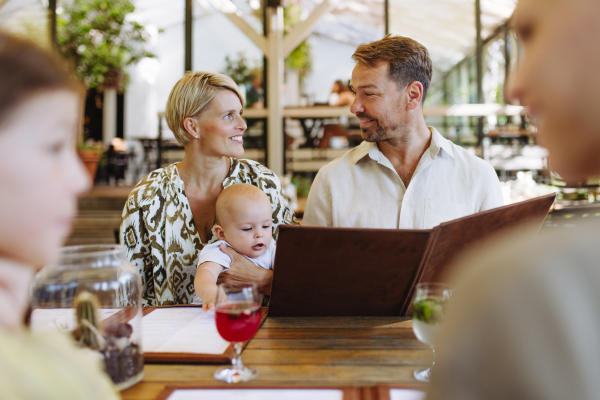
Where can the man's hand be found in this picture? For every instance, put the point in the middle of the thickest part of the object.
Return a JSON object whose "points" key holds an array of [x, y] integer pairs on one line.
{"points": [[241, 271]]}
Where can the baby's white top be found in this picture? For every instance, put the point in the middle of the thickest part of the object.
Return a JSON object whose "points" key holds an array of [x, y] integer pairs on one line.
{"points": [[212, 252]]}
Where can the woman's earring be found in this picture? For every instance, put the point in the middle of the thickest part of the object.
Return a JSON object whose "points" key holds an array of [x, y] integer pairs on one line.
{"points": [[196, 136]]}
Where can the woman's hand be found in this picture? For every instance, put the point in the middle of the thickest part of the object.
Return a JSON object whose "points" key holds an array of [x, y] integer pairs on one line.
{"points": [[241, 270]]}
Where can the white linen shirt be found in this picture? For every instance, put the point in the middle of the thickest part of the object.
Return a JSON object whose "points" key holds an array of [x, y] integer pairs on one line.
{"points": [[361, 189]]}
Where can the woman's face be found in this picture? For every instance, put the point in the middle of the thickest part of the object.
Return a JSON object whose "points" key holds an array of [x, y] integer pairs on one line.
{"points": [[221, 126], [40, 177]]}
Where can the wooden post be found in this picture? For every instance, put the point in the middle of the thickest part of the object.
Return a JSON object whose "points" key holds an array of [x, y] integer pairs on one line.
{"points": [[109, 116], [275, 142]]}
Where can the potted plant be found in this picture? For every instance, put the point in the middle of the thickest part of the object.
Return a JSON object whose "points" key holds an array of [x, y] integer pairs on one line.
{"points": [[99, 41]]}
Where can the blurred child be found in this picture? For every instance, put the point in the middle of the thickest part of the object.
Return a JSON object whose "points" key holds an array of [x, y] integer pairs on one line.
{"points": [[243, 223]]}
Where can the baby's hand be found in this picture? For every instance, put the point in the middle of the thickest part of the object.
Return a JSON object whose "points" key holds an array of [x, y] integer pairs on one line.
{"points": [[208, 305]]}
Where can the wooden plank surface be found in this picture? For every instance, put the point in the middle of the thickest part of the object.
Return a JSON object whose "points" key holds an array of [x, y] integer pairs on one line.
{"points": [[311, 352]]}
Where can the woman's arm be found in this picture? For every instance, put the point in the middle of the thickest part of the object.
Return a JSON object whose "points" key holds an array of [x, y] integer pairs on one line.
{"points": [[134, 235], [241, 270]]}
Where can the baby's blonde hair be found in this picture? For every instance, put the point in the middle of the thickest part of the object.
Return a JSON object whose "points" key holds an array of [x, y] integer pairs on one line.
{"points": [[229, 195], [191, 95]]}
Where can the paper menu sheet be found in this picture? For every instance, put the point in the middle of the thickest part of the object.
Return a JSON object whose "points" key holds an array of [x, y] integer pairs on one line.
{"points": [[257, 394], [406, 394], [181, 330], [61, 319]]}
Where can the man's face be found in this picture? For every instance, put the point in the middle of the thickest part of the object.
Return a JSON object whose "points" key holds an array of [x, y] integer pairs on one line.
{"points": [[559, 80], [378, 103]]}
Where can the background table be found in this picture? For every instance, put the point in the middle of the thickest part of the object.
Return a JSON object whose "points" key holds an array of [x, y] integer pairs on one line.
{"points": [[311, 352]]}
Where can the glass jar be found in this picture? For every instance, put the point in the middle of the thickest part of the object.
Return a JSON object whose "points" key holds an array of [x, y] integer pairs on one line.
{"points": [[93, 293]]}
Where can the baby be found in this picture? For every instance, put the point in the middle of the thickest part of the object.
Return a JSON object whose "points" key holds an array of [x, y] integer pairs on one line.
{"points": [[243, 223]]}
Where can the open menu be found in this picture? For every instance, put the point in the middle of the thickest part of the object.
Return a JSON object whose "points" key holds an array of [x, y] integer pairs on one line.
{"points": [[375, 271], [292, 393], [184, 334]]}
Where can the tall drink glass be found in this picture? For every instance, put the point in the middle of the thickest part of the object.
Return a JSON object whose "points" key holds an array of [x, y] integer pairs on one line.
{"points": [[237, 313], [428, 310]]}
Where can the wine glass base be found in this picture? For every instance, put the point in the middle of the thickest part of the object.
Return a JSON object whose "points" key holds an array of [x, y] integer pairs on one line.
{"points": [[235, 375], [423, 375]]}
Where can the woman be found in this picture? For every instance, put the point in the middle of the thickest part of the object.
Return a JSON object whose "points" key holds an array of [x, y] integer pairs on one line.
{"points": [[40, 177], [341, 95], [169, 216]]}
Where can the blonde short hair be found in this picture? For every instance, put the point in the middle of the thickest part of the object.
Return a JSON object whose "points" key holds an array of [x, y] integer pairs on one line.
{"points": [[191, 95]]}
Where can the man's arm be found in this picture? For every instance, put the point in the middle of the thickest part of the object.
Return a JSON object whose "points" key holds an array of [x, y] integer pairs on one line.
{"points": [[492, 196], [319, 210]]}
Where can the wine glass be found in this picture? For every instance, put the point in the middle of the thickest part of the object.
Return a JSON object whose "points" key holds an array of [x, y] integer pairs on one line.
{"points": [[429, 305], [237, 313]]}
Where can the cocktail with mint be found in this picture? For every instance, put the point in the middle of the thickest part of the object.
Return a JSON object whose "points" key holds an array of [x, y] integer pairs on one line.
{"points": [[428, 310]]}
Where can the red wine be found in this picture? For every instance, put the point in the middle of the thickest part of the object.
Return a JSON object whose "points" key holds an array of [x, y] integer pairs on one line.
{"points": [[237, 321]]}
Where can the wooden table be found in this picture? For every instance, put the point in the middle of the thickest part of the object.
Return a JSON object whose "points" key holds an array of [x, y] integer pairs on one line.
{"points": [[311, 352]]}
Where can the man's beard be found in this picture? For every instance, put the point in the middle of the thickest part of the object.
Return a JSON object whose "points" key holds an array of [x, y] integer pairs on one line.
{"points": [[375, 134]]}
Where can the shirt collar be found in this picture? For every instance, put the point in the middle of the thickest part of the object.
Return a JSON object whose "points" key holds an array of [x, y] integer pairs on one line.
{"points": [[437, 142]]}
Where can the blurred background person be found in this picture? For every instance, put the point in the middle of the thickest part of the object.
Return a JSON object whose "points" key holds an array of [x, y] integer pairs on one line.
{"points": [[525, 319], [256, 93], [40, 176], [341, 95]]}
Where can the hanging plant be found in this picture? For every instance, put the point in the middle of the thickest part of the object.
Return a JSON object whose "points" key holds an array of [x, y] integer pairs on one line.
{"points": [[99, 39]]}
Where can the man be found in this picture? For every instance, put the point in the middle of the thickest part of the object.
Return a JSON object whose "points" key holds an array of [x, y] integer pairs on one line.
{"points": [[405, 174], [525, 319]]}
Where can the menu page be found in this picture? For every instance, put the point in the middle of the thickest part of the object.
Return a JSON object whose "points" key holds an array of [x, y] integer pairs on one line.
{"points": [[406, 394], [182, 330], [61, 319], [257, 394]]}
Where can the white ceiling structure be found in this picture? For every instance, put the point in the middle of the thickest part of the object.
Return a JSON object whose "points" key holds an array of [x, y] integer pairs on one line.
{"points": [[447, 27]]}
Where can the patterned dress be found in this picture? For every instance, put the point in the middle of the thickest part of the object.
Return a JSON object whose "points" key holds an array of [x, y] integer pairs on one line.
{"points": [[160, 235]]}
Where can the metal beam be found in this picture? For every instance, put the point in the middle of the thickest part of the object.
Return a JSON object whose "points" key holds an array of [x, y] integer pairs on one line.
{"points": [[386, 16], [234, 15], [303, 29], [479, 61], [51, 22], [275, 142], [189, 23]]}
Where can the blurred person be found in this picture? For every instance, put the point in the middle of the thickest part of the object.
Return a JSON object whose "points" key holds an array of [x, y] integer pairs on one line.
{"points": [[341, 95], [404, 174], [256, 93], [524, 320], [170, 215], [244, 224], [40, 176]]}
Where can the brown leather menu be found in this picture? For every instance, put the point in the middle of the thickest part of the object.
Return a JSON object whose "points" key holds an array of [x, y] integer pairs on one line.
{"points": [[344, 272], [222, 357], [453, 237], [372, 272], [243, 391]]}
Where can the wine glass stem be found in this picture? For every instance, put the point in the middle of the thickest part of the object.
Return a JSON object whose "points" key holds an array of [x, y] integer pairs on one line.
{"points": [[236, 361], [433, 350]]}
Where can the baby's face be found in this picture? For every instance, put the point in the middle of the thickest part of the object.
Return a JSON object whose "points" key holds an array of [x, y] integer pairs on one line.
{"points": [[248, 227]]}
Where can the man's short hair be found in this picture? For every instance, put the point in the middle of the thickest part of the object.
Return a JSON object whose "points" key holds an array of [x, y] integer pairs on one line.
{"points": [[408, 60]]}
